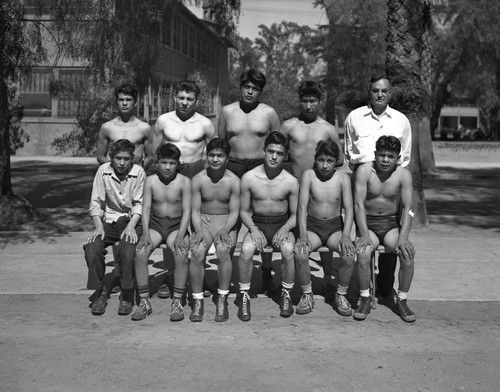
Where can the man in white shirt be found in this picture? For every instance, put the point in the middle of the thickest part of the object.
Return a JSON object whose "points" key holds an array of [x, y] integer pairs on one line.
{"points": [[363, 127]]}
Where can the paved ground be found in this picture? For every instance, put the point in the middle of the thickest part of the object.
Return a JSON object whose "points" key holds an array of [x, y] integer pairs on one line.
{"points": [[51, 342]]}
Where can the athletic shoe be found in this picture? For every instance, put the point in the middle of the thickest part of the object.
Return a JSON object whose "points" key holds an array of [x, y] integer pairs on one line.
{"points": [[143, 310], [244, 308], [198, 310], [221, 310], [365, 305], [342, 305], [125, 307], [306, 304], [404, 311], [286, 308], [163, 291], [176, 310], [99, 305]]}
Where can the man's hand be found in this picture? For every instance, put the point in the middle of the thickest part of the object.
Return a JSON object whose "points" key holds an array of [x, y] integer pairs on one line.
{"points": [[144, 243], [362, 243], [346, 247], [303, 245], [180, 246], [405, 249], [129, 234], [96, 233], [281, 236], [258, 238], [196, 239], [224, 238]]}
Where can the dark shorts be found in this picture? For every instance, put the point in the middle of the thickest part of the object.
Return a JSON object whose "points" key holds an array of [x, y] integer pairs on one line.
{"points": [[380, 225], [269, 225], [191, 169], [164, 226], [324, 228], [241, 166]]}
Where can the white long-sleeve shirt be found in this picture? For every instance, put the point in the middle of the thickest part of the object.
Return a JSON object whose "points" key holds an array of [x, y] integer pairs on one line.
{"points": [[363, 128]]}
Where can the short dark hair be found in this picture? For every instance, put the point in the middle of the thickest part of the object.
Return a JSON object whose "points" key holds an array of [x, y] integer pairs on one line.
{"points": [[378, 76], [219, 144], [121, 145], [168, 151], [188, 86], [327, 147], [388, 143], [254, 76], [310, 87], [276, 138], [128, 89]]}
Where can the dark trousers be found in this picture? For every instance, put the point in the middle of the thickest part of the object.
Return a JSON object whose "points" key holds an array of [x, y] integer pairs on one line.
{"points": [[95, 254], [386, 270]]}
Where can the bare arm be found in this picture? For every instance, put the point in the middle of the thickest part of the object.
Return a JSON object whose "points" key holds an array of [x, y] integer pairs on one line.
{"points": [[234, 206], [334, 137], [179, 244], [348, 132], [197, 236], [274, 121], [145, 240], [102, 146], [245, 199], [345, 243], [221, 125], [157, 135], [360, 192], [403, 245], [148, 150], [282, 234], [406, 144], [303, 245]]}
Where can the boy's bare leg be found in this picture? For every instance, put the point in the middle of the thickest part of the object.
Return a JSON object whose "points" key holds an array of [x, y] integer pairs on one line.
{"points": [[245, 266], [181, 273], [287, 278], [224, 271], [196, 277]]}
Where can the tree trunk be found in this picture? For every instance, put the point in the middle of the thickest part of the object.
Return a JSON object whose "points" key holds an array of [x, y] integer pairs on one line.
{"points": [[405, 31], [5, 183]]}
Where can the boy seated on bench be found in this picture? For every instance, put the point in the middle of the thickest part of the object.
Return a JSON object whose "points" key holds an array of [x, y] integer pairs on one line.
{"points": [[323, 193], [165, 219], [214, 216], [378, 187], [271, 193], [115, 208]]}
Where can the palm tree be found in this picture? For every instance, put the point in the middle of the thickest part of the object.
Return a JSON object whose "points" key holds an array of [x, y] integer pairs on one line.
{"points": [[408, 66]]}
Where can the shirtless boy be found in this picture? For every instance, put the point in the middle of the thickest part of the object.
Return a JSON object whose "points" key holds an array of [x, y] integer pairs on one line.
{"points": [[305, 131], [215, 209], [184, 127], [271, 193], [115, 208], [165, 218], [323, 193], [126, 126], [378, 186], [245, 124]]}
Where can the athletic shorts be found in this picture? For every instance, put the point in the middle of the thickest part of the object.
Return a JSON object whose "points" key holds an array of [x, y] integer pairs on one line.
{"points": [[164, 226], [269, 225], [191, 169], [212, 224], [241, 166], [380, 225], [324, 228]]}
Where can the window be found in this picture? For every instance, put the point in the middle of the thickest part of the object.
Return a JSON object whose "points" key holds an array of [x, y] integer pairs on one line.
{"points": [[72, 82], [177, 33], [35, 93], [185, 37]]}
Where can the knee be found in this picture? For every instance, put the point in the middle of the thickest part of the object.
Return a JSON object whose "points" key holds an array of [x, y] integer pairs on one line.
{"points": [[406, 263], [348, 261], [302, 260], [223, 252], [248, 249], [198, 255], [287, 250]]}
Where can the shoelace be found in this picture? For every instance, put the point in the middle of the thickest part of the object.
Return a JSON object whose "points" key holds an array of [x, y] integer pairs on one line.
{"points": [[220, 304], [286, 299], [197, 306], [176, 306], [343, 301], [403, 308], [244, 303], [144, 304], [308, 300]]}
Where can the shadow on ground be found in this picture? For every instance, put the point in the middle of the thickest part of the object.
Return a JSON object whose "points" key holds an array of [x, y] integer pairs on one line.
{"points": [[466, 197]]}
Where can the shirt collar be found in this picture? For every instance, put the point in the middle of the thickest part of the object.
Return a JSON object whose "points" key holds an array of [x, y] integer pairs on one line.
{"points": [[369, 112], [134, 172]]}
